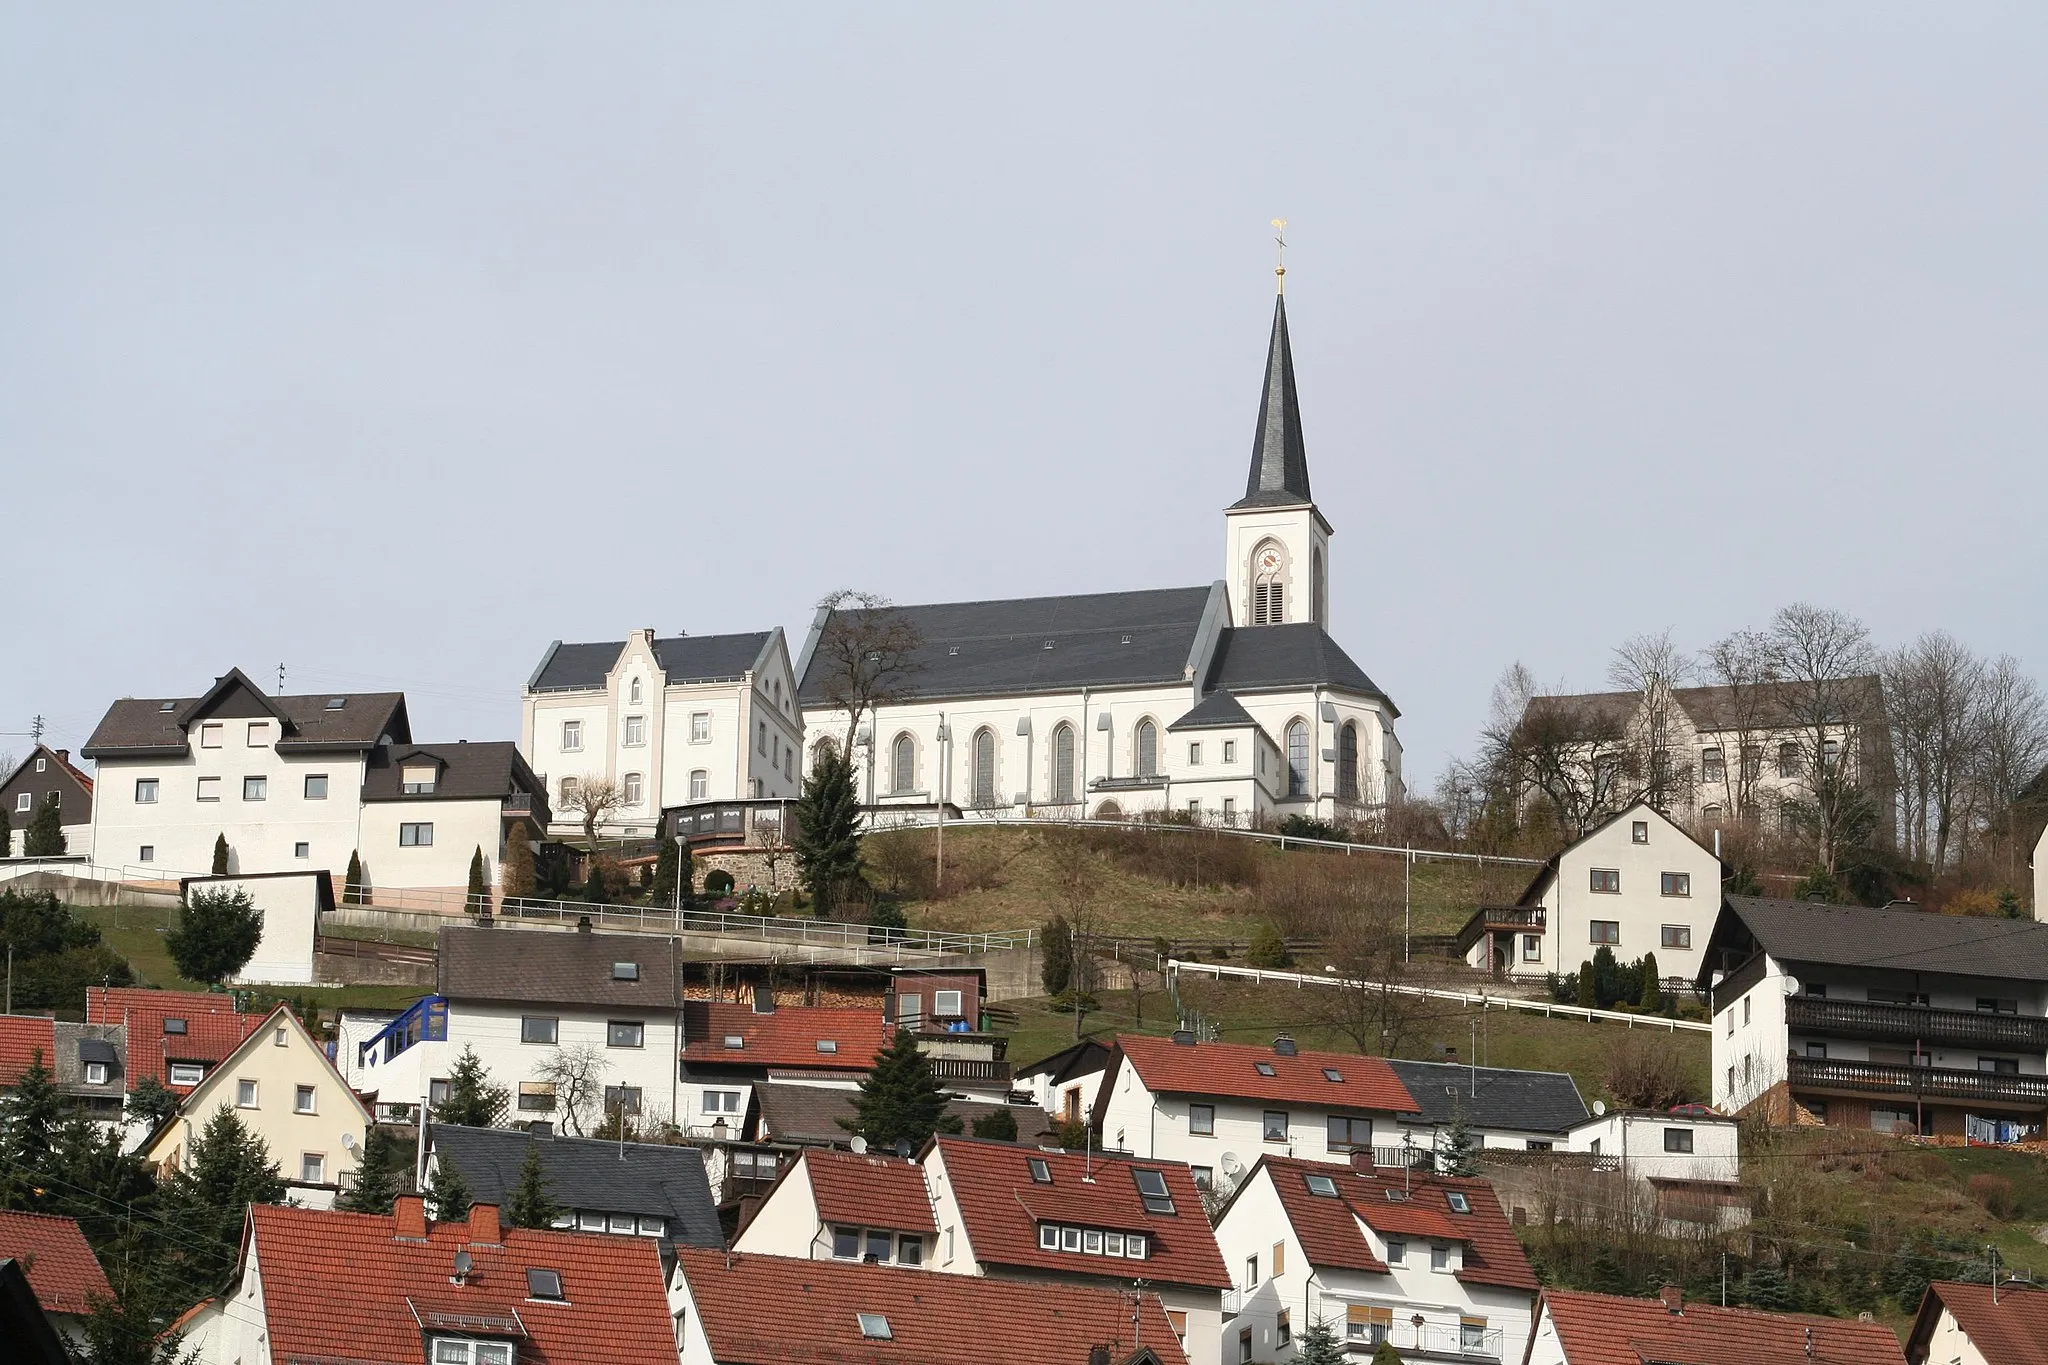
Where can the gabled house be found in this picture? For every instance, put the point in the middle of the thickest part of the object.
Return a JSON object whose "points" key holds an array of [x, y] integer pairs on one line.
{"points": [[1065, 1083], [525, 999], [1219, 1106], [844, 1206], [1635, 883], [1428, 1263], [428, 809], [1503, 1107], [804, 1113], [48, 774], [1603, 1329], [1893, 1020], [23, 1324], [730, 1049], [741, 1309], [87, 1062], [640, 1189], [283, 1088], [62, 1272], [1971, 1324], [1061, 1217], [176, 1037], [316, 1285]]}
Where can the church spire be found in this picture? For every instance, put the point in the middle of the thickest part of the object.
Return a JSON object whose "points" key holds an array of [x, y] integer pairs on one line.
{"points": [[1279, 473]]}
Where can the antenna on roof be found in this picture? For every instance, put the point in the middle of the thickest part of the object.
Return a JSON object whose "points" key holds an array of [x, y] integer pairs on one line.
{"points": [[280, 680]]}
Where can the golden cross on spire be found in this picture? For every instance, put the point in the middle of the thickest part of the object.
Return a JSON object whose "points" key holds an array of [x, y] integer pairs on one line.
{"points": [[1280, 264]]}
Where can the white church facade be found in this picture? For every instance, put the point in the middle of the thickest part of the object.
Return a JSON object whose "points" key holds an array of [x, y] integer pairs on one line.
{"points": [[1229, 702]]}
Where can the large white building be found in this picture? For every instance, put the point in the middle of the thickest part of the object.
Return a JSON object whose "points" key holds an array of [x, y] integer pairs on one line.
{"points": [[668, 721], [1229, 701]]}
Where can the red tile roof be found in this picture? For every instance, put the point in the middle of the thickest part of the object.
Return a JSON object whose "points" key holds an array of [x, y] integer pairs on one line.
{"points": [[873, 1191], [1329, 1233], [2014, 1331], [1231, 1069], [1601, 1329], [767, 1310], [1001, 1207], [789, 1037], [212, 1028], [22, 1036], [315, 1261], [53, 1254]]}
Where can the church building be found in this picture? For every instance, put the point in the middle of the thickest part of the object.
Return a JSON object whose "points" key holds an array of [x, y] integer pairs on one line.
{"points": [[1229, 702]]}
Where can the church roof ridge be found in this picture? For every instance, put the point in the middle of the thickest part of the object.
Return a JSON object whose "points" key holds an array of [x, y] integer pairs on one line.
{"points": [[1279, 468]]}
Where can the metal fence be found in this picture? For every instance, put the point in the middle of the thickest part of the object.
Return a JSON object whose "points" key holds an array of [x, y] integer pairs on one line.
{"points": [[1175, 966]]}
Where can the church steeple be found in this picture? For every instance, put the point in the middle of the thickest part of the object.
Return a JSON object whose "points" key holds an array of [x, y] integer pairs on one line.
{"points": [[1279, 473]]}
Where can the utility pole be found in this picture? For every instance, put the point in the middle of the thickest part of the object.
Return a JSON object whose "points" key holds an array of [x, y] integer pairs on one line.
{"points": [[35, 730], [280, 680]]}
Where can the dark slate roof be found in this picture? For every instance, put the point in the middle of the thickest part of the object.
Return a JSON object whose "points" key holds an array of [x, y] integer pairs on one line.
{"points": [[468, 772], [654, 1180], [1279, 473], [1217, 711], [1299, 654], [683, 658], [1901, 940], [809, 1114], [541, 966], [1713, 707], [143, 726], [1109, 639], [1084, 1058], [1527, 1101]]}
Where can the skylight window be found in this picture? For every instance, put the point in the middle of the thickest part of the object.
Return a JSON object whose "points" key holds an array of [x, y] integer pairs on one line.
{"points": [[1152, 1191], [544, 1284], [828, 1046], [1459, 1201], [174, 1026], [625, 971], [167, 706], [1321, 1186], [1041, 1173], [1397, 1196], [734, 1042], [1263, 1068], [1331, 1073], [336, 703], [875, 1327]]}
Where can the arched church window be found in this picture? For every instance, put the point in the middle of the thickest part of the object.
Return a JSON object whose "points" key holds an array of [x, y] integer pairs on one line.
{"points": [[1319, 601], [1269, 592], [821, 751], [1347, 762], [1297, 758], [984, 767], [903, 765], [1063, 763], [1148, 749]]}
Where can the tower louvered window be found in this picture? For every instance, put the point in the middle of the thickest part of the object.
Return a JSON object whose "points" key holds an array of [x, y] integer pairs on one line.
{"points": [[984, 768], [1063, 763], [1269, 606]]}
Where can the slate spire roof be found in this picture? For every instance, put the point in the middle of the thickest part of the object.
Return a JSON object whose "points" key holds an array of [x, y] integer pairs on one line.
{"points": [[1279, 473]]}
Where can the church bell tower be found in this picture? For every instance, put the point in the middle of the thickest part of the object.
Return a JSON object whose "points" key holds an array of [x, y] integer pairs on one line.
{"points": [[1277, 545]]}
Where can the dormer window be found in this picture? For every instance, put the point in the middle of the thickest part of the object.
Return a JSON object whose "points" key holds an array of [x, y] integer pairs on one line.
{"points": [[95, 1073], [417, 779], [468, 1351]]}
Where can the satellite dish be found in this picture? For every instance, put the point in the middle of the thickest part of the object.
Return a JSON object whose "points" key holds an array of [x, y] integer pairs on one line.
{"points": [[463, 1265], [903, 1148], [1791, 985], [1231, 1165], [859, 1145], [1599, 1106], [348, 1142]]}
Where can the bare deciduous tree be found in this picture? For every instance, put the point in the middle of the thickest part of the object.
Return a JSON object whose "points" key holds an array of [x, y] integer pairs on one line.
{"points": [[577, 1075], [1651, 666], [594, 798], [2011, 749], [866, 657], [1571, 750], [1824, 663], [1933, 688], [1362, 947], [1738, 666]]}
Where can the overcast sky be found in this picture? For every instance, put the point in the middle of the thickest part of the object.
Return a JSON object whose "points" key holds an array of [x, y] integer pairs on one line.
{"points": [[393, 342]]}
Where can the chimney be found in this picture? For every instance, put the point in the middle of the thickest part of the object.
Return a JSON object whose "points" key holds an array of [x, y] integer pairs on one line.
{"points": [[63, 755], [1674, 1300], [483, 1225], [1283, 1046], [1361, 1160], [583, 925], [409, 1218], [1183, 1037]]}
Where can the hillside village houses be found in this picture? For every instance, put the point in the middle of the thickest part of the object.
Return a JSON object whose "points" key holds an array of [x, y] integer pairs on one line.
{"points": [[48, 775]]}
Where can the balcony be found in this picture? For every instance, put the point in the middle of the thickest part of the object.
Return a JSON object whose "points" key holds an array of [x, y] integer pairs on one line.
{"points": [[1910, 1023], [1501, 919], [1921, 1082], [970, 1070]]}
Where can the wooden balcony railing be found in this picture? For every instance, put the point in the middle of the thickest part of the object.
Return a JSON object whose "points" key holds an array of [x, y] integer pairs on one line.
{"points": [[1501, 919], [1908, 1023], [970, 1069], [1924, 1082]]}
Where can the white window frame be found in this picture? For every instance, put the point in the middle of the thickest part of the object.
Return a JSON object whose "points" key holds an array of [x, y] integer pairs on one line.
{"points": [[248, 1094], [700, 727], [312, 1168], [634, 732], [307, 787], [572, 736], [305, 1099], [95, 1073], [723, 1103], [147, 790], [700, 784], [184, 1073]]}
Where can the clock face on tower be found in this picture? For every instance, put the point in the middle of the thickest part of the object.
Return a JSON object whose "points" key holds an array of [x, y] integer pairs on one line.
{"points": [[1269, 560]]}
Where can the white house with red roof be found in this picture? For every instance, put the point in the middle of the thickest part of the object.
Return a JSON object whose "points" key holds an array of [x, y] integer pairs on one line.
{"points": [[317, 1285], [846, 1206], [60, 1266], [1219, 1107], [1603, 1329], [175, 1037], [1011, 1212], [737, 1308], [1427, 1262], [729, 1049]]}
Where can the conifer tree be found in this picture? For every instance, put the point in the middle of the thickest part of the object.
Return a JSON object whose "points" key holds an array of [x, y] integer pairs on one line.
{"points": [[31, 1118], [6, 834], [828, 830], [472, 1100], [1385, 1354], [381, 1176], [1454, 1154], [226, 1169], [479, 897], [1766, 1288], [352, 881], [673, 871], [1588, 992], [998, 1124], [44, 837], [216, 935], [1319, 1346], [1056, 956], [150, 1102], [448, 1194], [515, 878], [1653, 986], [220, 855], [899, 1099], [531, 1206]]}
